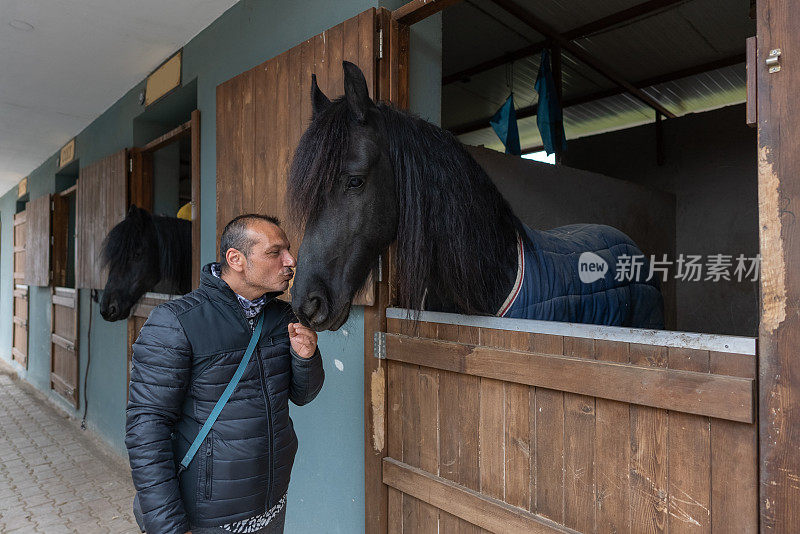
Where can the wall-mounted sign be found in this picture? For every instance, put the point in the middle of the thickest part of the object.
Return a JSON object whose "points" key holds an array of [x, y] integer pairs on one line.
{"points": [[164, 79], [22, 188], [67, 153]]}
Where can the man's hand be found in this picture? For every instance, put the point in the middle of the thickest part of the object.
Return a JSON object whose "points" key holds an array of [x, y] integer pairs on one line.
{"points": [[304, 340]]}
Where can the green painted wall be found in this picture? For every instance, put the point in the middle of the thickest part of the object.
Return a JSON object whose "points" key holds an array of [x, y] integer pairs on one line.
{"points": [[327, 487]]}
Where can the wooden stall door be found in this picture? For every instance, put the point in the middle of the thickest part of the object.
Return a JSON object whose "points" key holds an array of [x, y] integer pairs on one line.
{"points": [[507, 431], [102, 203], [262, 113], [64, 343], [38, 242], [19, 348]]}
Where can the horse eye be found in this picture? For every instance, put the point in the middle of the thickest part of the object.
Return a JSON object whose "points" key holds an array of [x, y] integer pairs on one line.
{"points": [[355, 182]]}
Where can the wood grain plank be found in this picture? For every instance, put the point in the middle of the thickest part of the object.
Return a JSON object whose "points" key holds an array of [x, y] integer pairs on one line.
{"points": [[687, 391], [459, 410], [335, 50], [394, 438], [734, 459], [689, 456], [612, 452], [282, 126], [579, 445], [517, 436], [477, 508], [649, 428]]}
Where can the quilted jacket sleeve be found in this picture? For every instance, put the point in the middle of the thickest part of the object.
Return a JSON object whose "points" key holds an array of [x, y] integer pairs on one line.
{"points": [[307, 378], [159, 380]]}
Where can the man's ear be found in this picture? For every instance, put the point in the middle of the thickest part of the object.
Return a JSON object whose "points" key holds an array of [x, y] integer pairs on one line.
{"points": [[236, 260]]}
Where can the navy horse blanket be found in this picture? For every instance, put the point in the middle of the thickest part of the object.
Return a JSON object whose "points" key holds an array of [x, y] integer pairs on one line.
{"points": [[584, 273]]}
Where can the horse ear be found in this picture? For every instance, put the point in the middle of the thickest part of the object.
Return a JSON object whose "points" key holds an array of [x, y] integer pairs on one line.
{"points": [[355, 90], [319, 102], [132, 210]]}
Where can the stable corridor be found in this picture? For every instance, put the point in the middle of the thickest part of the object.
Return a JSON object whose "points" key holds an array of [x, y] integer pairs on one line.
{"points": [[53, 477]]}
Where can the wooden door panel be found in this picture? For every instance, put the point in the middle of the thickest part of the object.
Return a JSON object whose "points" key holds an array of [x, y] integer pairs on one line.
{"points": [[64, 363], [102, 203], [507, 445], [37, 242], [19, 345]]}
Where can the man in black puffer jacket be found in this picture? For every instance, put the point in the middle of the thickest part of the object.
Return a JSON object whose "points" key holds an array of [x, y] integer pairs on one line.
{"points": [[185, 356]]}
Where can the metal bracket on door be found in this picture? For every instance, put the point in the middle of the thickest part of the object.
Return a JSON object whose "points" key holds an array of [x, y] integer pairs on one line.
{"points": [[773, 59], [379, 346]]}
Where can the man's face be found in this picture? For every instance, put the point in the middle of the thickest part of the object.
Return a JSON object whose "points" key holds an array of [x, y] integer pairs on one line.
{"points": [[269, 263]]}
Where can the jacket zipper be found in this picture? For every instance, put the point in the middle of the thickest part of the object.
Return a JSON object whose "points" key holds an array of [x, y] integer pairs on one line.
{"points": [[269, 421], [209, 463]]}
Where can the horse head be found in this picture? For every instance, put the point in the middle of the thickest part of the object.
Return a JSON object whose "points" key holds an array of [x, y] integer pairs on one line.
{"points": [[131, 253], [342, 189]]}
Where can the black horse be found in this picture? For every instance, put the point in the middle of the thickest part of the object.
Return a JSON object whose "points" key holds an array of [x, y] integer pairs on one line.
{"points": [[145, 252], [365, 175]]}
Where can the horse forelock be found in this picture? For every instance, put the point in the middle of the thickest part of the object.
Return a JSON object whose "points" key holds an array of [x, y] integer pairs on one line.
{"points": [[124, 239], [317, 162]]}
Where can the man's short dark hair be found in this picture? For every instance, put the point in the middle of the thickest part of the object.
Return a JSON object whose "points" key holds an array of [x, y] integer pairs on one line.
{"points": [[235, 235]]}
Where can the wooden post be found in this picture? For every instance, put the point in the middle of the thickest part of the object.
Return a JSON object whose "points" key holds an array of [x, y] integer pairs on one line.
{"points": [[779, 208], [659, 139], [195, 150]]}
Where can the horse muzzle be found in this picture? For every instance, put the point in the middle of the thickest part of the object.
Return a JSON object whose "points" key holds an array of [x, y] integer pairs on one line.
{"points": [[315, 311]]}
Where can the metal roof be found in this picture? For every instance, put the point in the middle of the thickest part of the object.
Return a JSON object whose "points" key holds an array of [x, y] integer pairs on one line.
{"points": [[672, 39]]}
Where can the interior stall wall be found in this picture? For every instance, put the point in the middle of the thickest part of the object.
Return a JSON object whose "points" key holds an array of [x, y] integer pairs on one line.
{"points": [[710, 167]]}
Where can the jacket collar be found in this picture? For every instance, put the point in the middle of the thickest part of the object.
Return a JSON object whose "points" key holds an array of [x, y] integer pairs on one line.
{"points": [[219, 290]]}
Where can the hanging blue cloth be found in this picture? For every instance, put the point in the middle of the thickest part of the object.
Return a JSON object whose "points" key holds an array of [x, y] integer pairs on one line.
{"points": [[549, 118], [504, 123]]}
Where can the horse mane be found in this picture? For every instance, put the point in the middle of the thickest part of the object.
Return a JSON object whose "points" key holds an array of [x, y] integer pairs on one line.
{"points": [[173, 245], [446, 200]]}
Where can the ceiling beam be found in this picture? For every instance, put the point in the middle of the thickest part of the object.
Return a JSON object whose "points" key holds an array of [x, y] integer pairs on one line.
{"points": [[530, 111], [417, 10], [596, 26], [537, 24]]}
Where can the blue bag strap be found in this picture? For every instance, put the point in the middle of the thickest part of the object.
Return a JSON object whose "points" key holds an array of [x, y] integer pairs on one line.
{"points": [[187, 459]]}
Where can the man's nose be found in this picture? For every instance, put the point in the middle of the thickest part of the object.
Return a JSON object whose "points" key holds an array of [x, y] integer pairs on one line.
{"points": [[289, 260]]}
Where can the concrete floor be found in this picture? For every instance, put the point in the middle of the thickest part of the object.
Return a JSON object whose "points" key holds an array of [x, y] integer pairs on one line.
{"points": [[54, 477]]}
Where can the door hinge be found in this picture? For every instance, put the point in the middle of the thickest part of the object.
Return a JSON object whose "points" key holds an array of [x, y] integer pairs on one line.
{"points": [[379, 346], [379, 274], [773, 60], [130, 164], [380, 43], [52, 240]]}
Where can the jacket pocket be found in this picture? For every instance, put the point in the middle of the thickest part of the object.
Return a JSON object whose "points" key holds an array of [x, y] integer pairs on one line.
{"points": [[209, 465]]}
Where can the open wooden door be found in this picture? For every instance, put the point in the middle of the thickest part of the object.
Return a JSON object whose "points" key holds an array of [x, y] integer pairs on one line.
{"points": [[102, 203], [19, 348], [38, 242], [777, 69]]}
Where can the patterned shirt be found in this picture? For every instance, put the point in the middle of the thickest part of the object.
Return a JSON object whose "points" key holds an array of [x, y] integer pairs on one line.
{"points": [[251, 309]]}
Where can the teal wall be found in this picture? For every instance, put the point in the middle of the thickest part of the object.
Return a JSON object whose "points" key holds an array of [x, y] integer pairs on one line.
{"points": [[327, 489]]}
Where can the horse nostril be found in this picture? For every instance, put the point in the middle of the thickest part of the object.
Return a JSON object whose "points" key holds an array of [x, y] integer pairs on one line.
{"points": [[310, 306], [315, 307]]}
